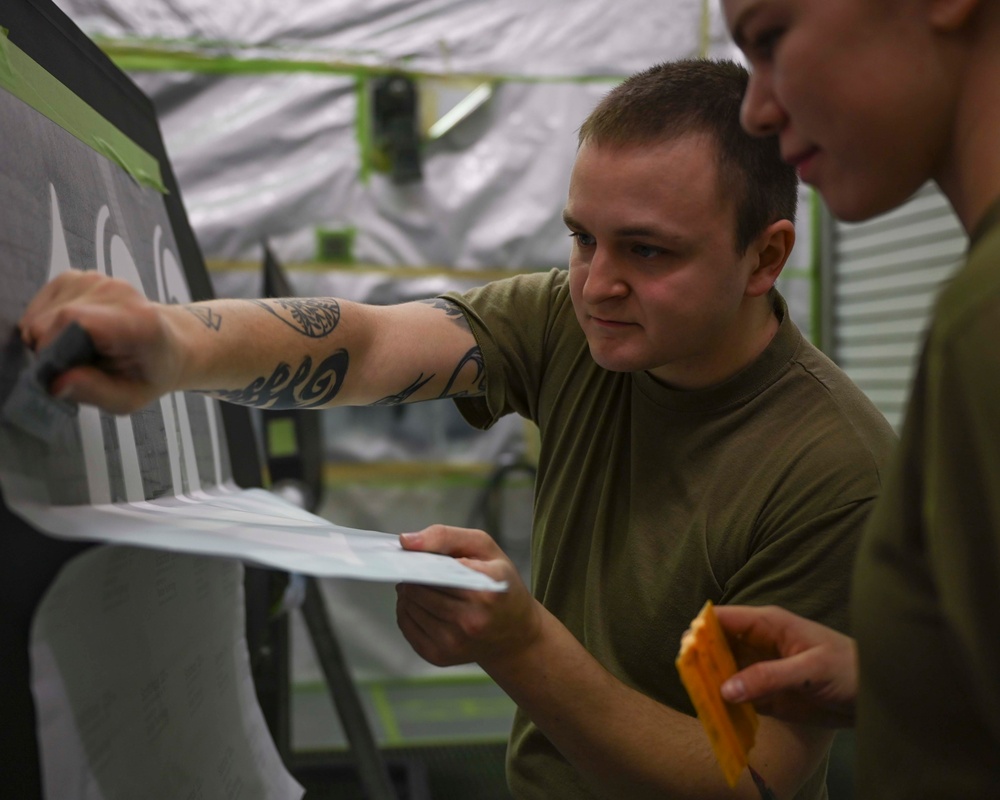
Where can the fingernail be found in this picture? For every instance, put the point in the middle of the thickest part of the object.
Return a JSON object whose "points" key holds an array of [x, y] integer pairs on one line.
{"points": [[66, 394], [733, 690], [410, 538]]}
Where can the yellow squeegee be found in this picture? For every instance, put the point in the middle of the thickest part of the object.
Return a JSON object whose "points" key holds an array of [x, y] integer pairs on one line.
{"points": [[704, 663]]}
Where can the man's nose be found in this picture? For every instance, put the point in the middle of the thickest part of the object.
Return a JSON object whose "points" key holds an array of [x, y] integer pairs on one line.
{"points": [[605, 278]]}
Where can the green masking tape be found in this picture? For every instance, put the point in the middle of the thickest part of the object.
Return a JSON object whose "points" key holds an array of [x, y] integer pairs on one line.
{"points": [[26, 80], [5, 70]]}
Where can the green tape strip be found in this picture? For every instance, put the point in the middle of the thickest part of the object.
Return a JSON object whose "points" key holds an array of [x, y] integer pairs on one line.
{"points": [[26, 80], [362, 127], [137, 55], [6, 72], [386, 715], [704, 32]]}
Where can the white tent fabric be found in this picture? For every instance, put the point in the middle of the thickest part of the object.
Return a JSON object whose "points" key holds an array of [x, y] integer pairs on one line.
{"points": [[278, 155], [518, 37]]}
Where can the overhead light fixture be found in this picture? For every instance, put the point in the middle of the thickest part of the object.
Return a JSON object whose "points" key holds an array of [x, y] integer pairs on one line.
{"points": [[462, 109]]}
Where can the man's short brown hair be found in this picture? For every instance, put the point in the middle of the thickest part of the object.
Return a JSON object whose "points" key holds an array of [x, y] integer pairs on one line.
{"points": [[701, 96]]}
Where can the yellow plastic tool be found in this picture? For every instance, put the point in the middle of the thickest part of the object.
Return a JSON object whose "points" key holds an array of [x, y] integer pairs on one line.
{"points": [[704, 663]]}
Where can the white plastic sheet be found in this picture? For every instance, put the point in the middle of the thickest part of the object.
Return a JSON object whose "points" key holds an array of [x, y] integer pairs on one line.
{"points": [[142, 683]]}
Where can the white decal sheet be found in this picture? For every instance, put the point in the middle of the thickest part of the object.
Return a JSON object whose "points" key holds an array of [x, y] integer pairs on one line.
{"points": [[142, 684], [260, 528]]}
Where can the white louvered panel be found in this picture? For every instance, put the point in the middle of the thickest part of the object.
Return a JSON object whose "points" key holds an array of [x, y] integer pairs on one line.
{"points": [[890, 351], [876, 331], [885, 275], [921, 281], [909, 254]]}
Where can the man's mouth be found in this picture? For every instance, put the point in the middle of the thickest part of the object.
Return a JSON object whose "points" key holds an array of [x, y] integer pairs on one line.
{"points": [[609, 323]]}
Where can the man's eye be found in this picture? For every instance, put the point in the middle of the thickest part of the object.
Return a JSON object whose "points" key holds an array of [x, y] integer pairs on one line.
{"points": [[645, 251], [582, 239]]}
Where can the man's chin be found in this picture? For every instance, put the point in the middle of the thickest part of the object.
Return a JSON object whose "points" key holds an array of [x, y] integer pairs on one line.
{"points": [[616, 362]]}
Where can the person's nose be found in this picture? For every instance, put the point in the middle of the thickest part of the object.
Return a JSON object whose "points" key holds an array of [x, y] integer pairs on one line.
{"points": [[604, 278], [761, 114]]}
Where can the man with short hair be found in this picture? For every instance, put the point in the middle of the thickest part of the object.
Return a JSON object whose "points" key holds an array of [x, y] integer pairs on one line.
{"points": [[693, 444]]}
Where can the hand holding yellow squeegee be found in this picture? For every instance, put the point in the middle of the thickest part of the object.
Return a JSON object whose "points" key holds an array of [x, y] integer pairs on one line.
{"points": [[704, 662]]}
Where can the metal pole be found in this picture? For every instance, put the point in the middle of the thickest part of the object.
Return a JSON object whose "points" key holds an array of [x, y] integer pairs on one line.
{"points": [[372, 768]]}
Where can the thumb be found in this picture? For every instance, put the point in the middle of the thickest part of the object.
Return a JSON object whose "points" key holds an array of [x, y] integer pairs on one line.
{"points": [[451, 541], [765, 678]]}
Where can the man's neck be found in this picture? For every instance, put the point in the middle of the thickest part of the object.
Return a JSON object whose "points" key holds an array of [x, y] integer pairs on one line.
{"points": [[751, 335]]}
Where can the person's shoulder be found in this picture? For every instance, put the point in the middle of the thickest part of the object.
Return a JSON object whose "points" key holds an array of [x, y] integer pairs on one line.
{"points": [[531, 288], [835, 410], [971, 298], [828, 380], [548, 280]]}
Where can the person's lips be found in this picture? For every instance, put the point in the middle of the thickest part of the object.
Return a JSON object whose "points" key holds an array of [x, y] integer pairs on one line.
{"points": [[609, 323], [802, 160]]}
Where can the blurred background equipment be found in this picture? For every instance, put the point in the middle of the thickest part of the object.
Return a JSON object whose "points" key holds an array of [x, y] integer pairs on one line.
{"points": [[395, 126]]}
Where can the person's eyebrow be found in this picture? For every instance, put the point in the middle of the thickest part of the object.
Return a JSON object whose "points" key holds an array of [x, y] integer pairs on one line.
{"points": [[644, 232]]}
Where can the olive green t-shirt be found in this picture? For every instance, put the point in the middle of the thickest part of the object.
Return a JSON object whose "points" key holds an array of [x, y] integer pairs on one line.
{"points": [[927, 601], [650, 500]]}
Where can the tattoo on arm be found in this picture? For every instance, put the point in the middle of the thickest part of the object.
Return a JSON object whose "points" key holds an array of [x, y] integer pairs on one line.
{"points": [[206, 315], [403, 396], [475, 357], [311, 317], [302, 388], [451, 310]]}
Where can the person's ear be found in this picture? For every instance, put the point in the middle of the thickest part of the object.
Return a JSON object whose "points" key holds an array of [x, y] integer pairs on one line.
{"points": [[771, 249], [948, 16]]}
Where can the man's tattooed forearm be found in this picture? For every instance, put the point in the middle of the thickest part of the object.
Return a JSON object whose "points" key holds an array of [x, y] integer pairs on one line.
{"points": [[311, 317], [452, 310], [403, 396], [475, 357], [206, 315], [302, 388]]}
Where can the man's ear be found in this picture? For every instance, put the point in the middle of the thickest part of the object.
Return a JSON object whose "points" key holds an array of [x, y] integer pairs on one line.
{"points": [[948, 16], [771, 250]]}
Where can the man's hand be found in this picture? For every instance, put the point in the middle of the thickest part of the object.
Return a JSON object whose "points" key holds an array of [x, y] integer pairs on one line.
{"points": [[138, 356], [800, 671], [456, 626]]}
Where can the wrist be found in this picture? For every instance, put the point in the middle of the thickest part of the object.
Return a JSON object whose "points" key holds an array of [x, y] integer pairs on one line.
{"points": [[186, 349], [524, 652]]}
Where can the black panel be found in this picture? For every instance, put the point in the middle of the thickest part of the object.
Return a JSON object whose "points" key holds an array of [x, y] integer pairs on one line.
{"points": [[29, 560]]}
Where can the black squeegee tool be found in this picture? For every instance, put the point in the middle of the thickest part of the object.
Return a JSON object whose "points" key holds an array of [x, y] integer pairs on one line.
{"points": [[30, 407]]}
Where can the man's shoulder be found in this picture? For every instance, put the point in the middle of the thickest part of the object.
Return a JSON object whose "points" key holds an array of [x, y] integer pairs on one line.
{"points": [[834, 392], [543, 283], [825, 417]]}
